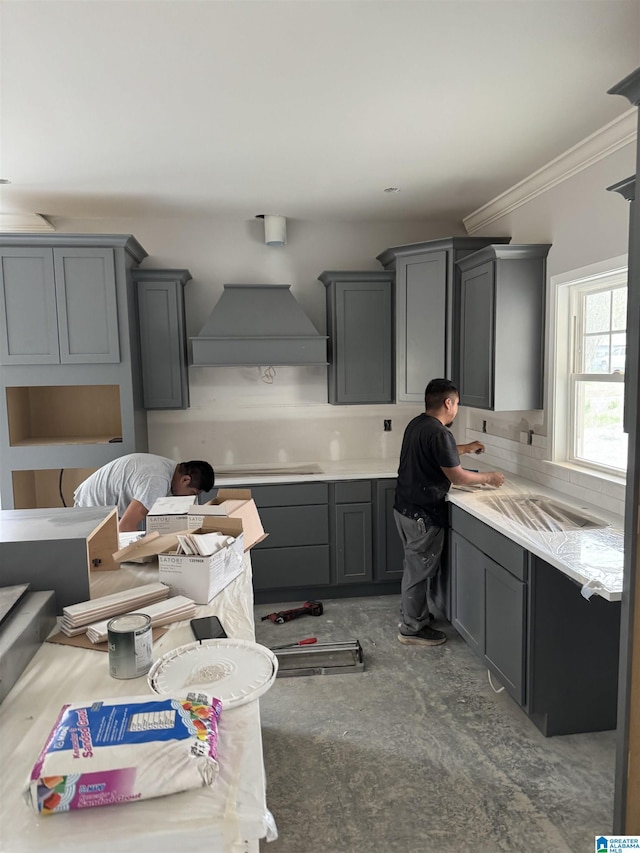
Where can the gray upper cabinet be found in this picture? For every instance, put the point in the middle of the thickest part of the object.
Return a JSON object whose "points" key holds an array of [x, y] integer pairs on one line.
{"points": [[71, 383], [424, 309], [163, 337], [58, 306], [500, 334], [360, 327]]}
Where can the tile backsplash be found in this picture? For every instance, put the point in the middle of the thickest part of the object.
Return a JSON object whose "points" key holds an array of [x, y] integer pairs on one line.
{"points": [[517, 456]]}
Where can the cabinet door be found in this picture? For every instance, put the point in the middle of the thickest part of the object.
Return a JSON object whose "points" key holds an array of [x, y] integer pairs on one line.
{"points": [[29, 323], [353, 532], [505, 603], [421, 306], [359, 314], [467, 592], [87, 308], [389, 557], [163, 344], [476, 336]]}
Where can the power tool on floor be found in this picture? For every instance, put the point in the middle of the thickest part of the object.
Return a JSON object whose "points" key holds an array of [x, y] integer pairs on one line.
{"points": [[309, 608]]}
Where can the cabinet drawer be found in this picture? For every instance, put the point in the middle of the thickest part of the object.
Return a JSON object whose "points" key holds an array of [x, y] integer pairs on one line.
{"points": [[353, 492], [490, 542], [290, 494], [290, 567], [289, 526]]}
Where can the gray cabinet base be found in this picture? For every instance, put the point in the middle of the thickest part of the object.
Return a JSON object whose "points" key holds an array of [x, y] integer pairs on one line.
{"points": [[573, 664], [320, 593]]}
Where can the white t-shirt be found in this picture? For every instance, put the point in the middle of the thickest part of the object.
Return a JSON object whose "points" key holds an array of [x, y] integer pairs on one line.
{"points": [[136, 477]]}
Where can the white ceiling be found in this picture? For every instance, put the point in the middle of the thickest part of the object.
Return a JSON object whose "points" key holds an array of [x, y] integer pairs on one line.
{"points": [[302, 108]]}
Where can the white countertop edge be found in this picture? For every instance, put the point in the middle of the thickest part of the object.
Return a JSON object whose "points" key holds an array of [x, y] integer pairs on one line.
{"points": [[468, 501]]}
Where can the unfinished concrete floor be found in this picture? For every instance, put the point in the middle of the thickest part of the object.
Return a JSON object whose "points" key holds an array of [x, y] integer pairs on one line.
{"points": [[418, 752]]}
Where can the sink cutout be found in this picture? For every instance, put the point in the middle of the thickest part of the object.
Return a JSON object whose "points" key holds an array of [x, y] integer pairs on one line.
{"points": [[541, 513]]}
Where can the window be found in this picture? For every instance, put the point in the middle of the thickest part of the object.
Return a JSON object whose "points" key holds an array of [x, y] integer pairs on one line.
{"points": [[599, 313], [590, 356]]}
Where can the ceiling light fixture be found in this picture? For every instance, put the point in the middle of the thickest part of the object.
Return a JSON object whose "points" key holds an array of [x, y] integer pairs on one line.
{"points": [[275, 229]]}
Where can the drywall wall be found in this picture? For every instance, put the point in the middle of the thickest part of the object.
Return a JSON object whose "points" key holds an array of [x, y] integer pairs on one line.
{"points": [[236, 415]]}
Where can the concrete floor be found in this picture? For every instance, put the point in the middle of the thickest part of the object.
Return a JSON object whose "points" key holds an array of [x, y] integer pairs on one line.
{"points": [[418, 752]]}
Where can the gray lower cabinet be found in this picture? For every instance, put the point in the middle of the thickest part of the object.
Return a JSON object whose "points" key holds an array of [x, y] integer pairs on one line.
{"points": [[359, 325], [296, 553], [58, 305], [326, 539], [163, 337], [353, 531], [555, 652], [425, 275], [500, 335], [489, 612], [389, 552]]}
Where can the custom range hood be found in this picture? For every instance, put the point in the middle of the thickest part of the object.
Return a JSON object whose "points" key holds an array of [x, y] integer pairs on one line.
{"points": [[258, 324]]}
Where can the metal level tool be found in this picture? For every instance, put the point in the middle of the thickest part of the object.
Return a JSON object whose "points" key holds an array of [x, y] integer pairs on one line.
{"points": [[321, 659]]}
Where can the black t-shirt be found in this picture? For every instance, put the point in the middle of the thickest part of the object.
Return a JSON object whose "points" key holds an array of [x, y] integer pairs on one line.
{"points": [[427, 447]]}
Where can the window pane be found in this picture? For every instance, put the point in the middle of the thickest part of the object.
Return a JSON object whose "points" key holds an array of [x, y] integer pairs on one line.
{"points": [[619, 308], [599, 435], [596, 354], [597, 309], [618, 352]]}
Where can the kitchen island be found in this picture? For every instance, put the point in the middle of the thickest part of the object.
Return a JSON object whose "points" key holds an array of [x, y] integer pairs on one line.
{"points": [[229, 817]]}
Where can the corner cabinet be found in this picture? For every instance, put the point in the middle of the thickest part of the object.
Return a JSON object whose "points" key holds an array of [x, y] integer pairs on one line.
{"points": [[163, 337], [555, 652], [425, 274], [71, 395], [500, 335], [359, 325]]}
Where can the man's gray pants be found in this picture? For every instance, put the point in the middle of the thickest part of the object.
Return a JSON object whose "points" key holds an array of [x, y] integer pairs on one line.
{"points": [[423, 545]]}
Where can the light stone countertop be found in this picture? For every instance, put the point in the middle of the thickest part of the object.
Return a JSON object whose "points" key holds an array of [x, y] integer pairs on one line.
{"points": [[593, 557]]}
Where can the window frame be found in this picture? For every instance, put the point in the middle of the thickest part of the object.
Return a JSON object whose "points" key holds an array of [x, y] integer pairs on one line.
{"points": [[562, 357]]}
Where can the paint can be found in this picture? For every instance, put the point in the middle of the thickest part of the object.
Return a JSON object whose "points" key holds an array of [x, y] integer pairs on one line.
{"points": [[130, 640]]}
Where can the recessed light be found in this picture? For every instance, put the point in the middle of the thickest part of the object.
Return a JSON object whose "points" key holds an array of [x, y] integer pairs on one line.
{"points": [[392, 190]]}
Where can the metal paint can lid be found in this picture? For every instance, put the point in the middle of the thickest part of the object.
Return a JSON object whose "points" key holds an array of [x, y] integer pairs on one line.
{"points": [[129, 623]]}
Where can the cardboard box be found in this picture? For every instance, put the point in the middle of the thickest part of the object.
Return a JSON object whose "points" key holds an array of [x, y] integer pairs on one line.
{"points": [[231, 503], [169, 515], [199, 578], [202, 578]]}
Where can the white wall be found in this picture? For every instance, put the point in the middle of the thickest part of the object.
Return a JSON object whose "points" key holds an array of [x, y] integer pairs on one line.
{"points": [[235, 417], [585, 224]]}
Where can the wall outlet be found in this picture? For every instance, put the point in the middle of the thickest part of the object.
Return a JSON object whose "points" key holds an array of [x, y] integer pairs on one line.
{"points": [[387, 425]]}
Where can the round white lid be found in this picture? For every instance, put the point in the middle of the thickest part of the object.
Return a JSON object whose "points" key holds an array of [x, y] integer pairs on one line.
{"points": [[234, 671]]}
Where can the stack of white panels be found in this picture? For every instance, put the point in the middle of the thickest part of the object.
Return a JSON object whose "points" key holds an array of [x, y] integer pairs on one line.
{"points": [[202, 544], [172, 610], [76, 617]]}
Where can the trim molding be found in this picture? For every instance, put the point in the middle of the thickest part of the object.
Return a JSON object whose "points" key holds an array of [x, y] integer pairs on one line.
{"points": [[613, 136], [23, 223]]}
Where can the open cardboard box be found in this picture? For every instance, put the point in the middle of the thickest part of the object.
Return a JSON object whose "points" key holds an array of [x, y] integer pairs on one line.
{"points": [[169, 515], [199, 578], [231, 503]]}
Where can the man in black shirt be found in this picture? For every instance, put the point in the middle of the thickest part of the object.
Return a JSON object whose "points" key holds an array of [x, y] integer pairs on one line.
{"points": [[429, 464]]}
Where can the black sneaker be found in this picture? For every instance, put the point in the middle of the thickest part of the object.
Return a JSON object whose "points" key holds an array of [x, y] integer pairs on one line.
{"points": [[426, 637]]}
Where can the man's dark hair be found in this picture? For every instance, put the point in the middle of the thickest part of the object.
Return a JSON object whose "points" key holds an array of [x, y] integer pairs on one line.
{"points": [[201, 473], [436, 392]]}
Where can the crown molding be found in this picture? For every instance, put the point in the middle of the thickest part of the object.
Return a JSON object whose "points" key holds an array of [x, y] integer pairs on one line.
{"points": [[602, 143], [18, 223]]}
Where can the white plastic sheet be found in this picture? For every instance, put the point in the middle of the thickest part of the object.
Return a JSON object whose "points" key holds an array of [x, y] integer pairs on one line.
{"points": [[230, 816], [582, 541]]}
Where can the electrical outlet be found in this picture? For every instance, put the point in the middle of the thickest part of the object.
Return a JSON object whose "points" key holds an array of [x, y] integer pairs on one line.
{"points": [[387, 425]]}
